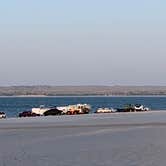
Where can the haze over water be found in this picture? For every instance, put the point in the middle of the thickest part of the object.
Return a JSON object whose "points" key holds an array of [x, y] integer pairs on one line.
{"points": [[82, 42]]}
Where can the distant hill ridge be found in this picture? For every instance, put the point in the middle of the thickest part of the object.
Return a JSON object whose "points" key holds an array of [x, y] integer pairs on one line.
{"points": [[81, 90]]}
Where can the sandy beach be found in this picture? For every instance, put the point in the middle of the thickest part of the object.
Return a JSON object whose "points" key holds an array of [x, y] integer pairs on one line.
{"points": [[119, 139]]}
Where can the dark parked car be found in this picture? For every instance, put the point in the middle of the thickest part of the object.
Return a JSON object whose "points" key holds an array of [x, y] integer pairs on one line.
{"points": [[53, 111], [127, 108], [28, 114], [133, 108]]}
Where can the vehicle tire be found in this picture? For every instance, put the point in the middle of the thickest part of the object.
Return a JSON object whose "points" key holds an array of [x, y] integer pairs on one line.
{"points": [[75, 113]]}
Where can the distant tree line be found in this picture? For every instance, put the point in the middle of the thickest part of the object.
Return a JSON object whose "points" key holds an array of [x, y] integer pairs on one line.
{"points": [[81, 90]]}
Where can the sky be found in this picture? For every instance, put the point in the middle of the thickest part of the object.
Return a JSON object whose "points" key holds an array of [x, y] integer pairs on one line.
{"points": [[82, 42]]}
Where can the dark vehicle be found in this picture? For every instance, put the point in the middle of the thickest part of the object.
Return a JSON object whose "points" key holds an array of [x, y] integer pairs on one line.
{"points": [[28, 114], [133, 108], [53, 111], [127, 108]]}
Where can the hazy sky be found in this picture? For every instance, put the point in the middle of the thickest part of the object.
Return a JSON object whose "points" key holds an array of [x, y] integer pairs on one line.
{"points": [[83, 42]]}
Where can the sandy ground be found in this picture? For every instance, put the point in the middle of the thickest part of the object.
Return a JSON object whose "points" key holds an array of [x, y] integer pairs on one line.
{"points": [[122, 139]]}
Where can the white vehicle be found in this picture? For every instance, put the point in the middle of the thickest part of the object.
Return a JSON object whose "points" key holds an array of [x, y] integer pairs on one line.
{"points": [[139, 107], [105, 110], [64, 109], [41, 110], [2, 115]]}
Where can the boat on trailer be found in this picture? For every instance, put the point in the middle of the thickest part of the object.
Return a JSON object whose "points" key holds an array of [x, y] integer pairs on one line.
{"points": [[63, 110], [42, 110], [75, 109]]}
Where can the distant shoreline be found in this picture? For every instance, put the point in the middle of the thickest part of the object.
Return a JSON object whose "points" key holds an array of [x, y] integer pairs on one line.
{"points": [[49, 91], [59, 96]]}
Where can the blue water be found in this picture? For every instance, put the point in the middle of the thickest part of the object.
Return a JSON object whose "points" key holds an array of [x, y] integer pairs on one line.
{"points": [[13, 105]]}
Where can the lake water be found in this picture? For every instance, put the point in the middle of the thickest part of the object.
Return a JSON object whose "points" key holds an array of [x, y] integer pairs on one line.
{"points": [[13, 105]]}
